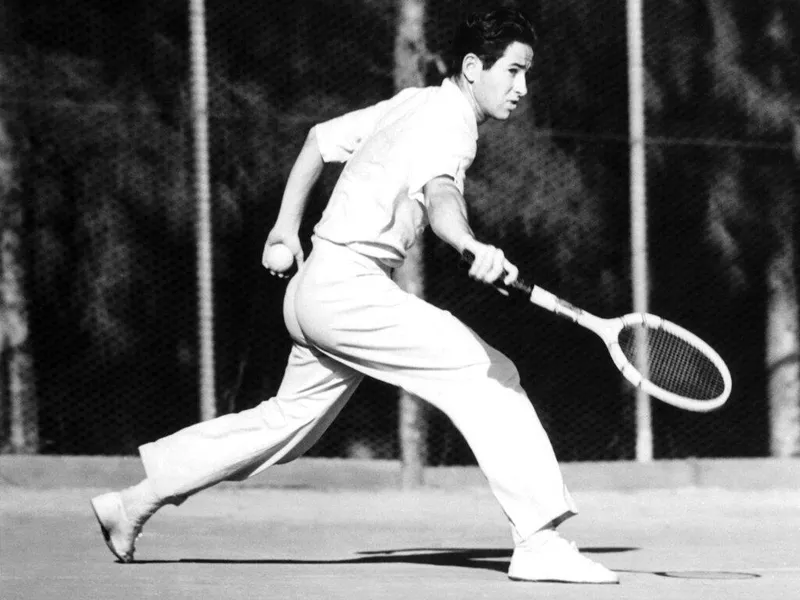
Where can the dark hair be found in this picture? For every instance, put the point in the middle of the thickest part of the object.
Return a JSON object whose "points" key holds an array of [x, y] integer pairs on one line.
{"points": [[488, 34]]}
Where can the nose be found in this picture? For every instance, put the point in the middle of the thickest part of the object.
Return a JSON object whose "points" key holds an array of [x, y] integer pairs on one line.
{"points": [[520, 85]]}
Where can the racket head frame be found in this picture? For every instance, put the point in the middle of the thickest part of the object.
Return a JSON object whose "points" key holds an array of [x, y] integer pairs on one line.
{"points": [[610, 335], [609, 329]]}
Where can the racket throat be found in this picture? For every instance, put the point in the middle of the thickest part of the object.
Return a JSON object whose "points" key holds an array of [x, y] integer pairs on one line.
{"points": [[553, 303]]}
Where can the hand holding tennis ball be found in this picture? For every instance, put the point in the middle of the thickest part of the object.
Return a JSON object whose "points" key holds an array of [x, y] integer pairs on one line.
{"points": [[278, 258]]}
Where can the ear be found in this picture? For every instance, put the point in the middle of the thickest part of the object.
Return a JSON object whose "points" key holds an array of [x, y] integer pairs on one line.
{"points": [[471, 66]]}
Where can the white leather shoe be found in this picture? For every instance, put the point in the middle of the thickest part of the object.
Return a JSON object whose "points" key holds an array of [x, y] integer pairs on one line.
{"points": [[556, 559], [119, 531]]}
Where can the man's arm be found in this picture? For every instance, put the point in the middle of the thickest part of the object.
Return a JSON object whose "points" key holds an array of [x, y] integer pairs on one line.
{"points": [[447, 214], [304, 175]]}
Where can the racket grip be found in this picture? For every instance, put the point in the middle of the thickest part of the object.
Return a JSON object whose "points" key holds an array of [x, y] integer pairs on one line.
{"points": [[518, 285], [537, 295]]}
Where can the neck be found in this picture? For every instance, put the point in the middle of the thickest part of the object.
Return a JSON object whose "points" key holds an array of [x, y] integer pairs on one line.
{"points": [[466, 88]]}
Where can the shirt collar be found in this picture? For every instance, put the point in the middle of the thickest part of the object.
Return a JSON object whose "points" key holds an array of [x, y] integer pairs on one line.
{"points": [[452, 90]]}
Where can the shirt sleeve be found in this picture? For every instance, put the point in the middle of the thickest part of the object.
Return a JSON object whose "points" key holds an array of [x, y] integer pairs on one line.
{"points": [[444, 149], [340, 137]]}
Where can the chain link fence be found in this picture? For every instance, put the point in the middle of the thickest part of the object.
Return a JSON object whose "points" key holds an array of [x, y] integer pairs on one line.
{"points": [[96, 100]]}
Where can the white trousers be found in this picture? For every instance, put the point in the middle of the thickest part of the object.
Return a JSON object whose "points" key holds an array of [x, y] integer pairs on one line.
{"points": [[349, 319]]}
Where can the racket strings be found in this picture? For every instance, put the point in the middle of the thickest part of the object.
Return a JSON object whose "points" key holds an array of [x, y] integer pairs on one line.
{"points": [[671, 362]]}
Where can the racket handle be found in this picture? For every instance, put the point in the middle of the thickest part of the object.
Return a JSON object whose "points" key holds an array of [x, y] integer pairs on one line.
{"points": [[537, 295], [518, 285]]}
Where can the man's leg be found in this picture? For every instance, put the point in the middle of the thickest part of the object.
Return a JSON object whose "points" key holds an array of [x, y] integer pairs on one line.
{"points": [[368, 323], [232, 447], [395, 337]]}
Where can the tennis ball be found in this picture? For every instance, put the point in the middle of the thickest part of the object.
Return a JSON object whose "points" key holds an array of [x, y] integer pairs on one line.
{"points": [[277, 257]]}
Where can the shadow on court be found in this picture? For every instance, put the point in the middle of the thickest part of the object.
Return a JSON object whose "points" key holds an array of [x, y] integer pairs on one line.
{"points": [[492, 559]]}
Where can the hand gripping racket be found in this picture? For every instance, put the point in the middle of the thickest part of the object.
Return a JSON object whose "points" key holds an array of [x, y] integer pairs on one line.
{"points": [[665, 360]]}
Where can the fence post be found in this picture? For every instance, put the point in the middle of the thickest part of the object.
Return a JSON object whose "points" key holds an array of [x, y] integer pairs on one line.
{"points": [[638, 191], [208, 403]]}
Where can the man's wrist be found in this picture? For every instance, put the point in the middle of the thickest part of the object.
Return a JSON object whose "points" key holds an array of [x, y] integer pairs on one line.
{"points": [[464, 242]]}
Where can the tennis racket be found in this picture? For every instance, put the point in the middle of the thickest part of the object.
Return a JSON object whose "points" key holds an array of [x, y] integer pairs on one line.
{"points": [[665, 360]]}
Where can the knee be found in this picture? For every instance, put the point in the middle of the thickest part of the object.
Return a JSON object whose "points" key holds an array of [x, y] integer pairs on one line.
{"points": [[503, 370], [491, 377], [278, 412]]}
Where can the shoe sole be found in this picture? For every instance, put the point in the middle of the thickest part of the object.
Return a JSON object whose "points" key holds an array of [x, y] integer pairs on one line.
{"points": [[103, 506], [521, 580]]}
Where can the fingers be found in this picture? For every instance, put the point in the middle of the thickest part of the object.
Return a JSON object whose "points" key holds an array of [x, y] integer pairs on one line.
{"points": [[512, 272], [488, 265], [299, 259], [491, 266], [278, 266]]}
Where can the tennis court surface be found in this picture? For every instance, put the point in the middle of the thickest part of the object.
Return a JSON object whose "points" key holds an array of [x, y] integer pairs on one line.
{"points": [[351, 544]]}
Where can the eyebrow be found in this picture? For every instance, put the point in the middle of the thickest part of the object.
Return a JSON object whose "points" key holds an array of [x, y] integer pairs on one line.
{"points": [[521, 66]]}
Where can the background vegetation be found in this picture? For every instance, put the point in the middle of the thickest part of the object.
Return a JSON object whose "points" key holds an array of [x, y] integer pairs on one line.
{"points": [[95, 103]]}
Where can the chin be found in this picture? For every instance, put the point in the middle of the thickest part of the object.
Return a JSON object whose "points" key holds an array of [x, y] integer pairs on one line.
{"points": [[501, 115]]}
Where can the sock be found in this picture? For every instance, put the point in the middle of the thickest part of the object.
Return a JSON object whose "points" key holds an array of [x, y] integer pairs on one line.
{"points": [[538, 539], [140, 501]]}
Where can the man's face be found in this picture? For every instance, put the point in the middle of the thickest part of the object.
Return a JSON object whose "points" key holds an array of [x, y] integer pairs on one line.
{"points": [[499, 89]]}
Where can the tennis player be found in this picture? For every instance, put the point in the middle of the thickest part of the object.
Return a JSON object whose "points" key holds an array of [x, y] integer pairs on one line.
{"points": [[405, 162]]}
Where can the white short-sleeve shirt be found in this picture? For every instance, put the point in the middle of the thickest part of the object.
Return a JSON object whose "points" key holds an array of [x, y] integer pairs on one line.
{"points": [[392, 149]]}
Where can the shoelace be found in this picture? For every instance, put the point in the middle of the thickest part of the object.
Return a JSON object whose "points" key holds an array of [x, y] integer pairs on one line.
{"points": [[543, 538], [560, 540], [553, 537], [573, 547]]}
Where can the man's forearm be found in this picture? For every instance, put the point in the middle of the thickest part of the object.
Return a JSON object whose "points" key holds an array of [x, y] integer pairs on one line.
{"points": [[447, 214], [304, 175]]}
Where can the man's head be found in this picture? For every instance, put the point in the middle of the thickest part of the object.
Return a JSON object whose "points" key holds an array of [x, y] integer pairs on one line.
{"points": [[492, 53]]}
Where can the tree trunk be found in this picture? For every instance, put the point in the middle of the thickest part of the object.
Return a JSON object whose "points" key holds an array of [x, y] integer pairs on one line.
{"points": [[18, 408], [783, 329], [409, 56], [771, 108], [783, 355]]}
